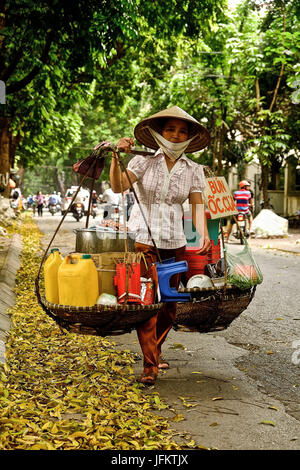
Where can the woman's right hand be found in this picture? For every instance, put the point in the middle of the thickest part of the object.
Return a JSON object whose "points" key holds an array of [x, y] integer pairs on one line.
{"points": [[125, 144]]}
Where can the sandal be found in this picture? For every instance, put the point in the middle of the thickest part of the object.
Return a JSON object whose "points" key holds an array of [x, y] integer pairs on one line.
{"points": [[147, 378], [162, 364]]}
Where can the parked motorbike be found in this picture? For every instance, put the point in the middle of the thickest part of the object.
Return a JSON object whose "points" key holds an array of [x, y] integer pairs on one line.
{"points": [[77, 210], [244, 227]]}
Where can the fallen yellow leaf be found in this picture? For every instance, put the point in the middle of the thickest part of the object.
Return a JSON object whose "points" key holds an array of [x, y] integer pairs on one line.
{"points": [[178, 417], [270, 423]]}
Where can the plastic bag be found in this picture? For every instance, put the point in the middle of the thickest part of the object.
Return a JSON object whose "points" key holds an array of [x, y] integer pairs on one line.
{"points": [[84, 165], [268, 224], [107, 299], [243, 272]]}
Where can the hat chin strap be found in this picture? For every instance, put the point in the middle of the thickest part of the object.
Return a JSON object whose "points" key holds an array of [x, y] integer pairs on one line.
{"points": [[173, 150]]}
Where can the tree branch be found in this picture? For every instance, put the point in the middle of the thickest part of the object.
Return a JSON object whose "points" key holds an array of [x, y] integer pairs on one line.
{"points": [[277, 87], [282, 65], [84, 77], [7, 71], [257, 88], [16, 86], [120, 53]]}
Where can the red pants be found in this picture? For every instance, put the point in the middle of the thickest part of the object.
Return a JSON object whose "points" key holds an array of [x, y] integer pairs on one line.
{"points": [[153, 332]]}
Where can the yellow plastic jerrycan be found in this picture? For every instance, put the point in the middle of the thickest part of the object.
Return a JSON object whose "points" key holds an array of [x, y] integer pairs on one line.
{"points": [[51, 266], [78, 282]]}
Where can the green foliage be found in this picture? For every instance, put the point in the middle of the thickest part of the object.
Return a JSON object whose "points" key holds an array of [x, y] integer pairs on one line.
{"points": [[110, 64], [53, 54]]}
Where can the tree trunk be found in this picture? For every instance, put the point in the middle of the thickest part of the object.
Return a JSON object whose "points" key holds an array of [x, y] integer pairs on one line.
{"points": [[217, 166], [21, 171], [220, 152], [4, 157], [13, 145], [264, 184], [59, 180], [75, 178], [215, 148]]}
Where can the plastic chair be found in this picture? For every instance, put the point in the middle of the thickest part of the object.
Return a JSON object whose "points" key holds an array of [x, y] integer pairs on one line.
{"points": [[165, 271]]}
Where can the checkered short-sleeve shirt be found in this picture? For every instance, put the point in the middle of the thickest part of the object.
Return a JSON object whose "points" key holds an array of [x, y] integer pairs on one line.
{"points": [[161, 194]]}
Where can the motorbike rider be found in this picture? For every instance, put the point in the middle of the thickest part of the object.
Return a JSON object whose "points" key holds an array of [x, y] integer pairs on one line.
{"points": [[81, 197], [53, 199], [244, 204], [94, 197], [31, 203]]}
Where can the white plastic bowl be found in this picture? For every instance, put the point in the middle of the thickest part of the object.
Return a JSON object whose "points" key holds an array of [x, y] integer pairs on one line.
{"points": [[199, 280]]}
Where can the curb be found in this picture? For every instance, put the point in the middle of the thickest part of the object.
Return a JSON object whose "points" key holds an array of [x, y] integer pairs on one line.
{"points": [[283, 247], [7, 284]]}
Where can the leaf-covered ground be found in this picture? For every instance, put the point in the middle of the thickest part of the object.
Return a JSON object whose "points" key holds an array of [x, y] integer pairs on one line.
{"points": [[65, 391]]}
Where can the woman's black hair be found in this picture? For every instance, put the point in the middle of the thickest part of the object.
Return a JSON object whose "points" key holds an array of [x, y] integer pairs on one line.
{"points": [[161, 122]]}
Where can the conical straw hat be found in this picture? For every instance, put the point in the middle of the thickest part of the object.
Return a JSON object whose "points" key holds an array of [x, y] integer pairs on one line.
{"points": [[143, 135]]}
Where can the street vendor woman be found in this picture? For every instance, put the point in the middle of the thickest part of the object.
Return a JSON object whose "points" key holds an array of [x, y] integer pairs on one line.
{"points": [[163, 182]]}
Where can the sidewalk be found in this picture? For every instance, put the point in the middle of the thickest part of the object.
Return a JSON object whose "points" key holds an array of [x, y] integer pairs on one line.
{"points": [[290, 244]]}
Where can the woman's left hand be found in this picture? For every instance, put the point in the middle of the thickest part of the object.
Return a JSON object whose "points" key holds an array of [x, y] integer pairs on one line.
{"points": [[205, 248]]}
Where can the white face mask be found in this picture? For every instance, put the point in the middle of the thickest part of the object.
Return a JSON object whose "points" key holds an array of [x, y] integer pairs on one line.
{"points": [[172, 149]]}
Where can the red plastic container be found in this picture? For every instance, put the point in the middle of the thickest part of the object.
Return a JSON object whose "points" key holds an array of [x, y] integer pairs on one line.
{"points": [[214, 253], [197, 263], [147, 292], [134, 282]]}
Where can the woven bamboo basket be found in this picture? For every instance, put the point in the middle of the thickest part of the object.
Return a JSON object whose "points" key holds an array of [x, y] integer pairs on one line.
{"points": [[211, 309], [99, 320]]}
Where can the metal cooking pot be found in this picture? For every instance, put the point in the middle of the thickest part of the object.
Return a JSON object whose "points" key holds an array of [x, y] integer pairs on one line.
{"points": [[98, 241]]}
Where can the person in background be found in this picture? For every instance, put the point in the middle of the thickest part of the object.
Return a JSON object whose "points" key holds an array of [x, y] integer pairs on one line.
{"points": [[53, 199], [31, 203], [162, 183], [39, 203], [112, 200], [244, 203], [16, 200], [94, 197], [251, 207], [130, 200]]}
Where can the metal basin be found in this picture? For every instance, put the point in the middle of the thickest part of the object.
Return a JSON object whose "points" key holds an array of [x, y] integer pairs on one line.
{"points": [[99, 241]]}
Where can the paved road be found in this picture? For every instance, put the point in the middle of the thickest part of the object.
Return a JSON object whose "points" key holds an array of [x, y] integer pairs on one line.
{"points": [[237, 389]]}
